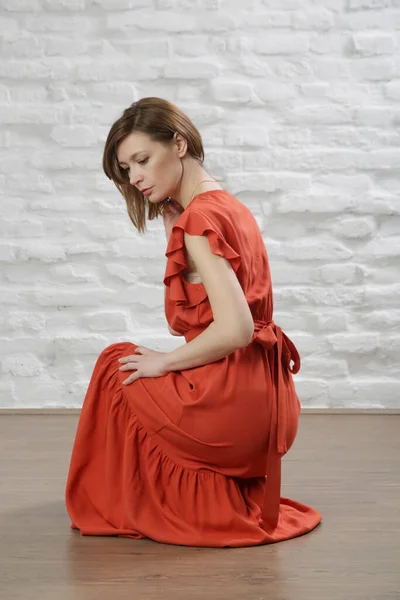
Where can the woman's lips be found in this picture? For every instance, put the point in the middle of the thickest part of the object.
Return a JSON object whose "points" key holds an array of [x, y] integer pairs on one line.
{"points": [[147, 192]]}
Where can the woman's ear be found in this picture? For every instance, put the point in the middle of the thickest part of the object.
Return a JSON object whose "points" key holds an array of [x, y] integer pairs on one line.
{"points": [[181, 144]]}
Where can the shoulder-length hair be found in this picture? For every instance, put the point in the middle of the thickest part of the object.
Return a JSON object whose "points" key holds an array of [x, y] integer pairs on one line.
{"points": [[160, 120]]}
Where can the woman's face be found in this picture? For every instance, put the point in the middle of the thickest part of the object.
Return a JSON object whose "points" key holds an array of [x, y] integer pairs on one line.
{"points": [[154, 168]]}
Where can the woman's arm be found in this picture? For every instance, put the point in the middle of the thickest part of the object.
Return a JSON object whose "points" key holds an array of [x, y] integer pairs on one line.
{"points": [[233, 324]]}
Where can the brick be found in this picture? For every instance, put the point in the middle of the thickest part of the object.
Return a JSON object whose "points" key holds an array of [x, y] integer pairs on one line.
{"points": [[8, 27], [163, 21], [149, 296], [151, 48], [24, 46], [68, 273], [334, 321], [268, 182], [74, 345], [342, 274], [384, 20], [368, 4], [122, 69], [295, 137], [376, 203], [266, 20], [106, 321], [45, 68], [319, 19], [224, 160], [290, 274], [390, 226], [21, 228], [393, 90], [74, 135], [191, 70], [67, 159], [329, 43], [373, 69], [335, 69], [21, 5], [23, 365], [8, 252], [373, 43], [217, 23], [314, 202], [245, 136], [44, 251], [329, 367], [381, 319], [18, 273], [58, 46], [76, 24], [282, 44], [122, 92], [328, 115], [354, 227], [339, 296], [312, 392], [374, 116], [382, 296], [310, 250], [28, 321], [114, 5], [12, 207], [62, 5], [354, 343], [277, 4], [382, 247], [28, 114], [275, 92], [61, 299], [231, 91]]}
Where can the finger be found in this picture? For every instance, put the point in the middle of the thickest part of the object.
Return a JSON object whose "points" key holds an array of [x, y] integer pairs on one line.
{"points": [[128, 358], [129, 366], [125, 359], [131, 378]]}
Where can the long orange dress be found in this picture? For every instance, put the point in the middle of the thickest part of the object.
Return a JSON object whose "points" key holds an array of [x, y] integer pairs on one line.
{"points": [[194, 457]]}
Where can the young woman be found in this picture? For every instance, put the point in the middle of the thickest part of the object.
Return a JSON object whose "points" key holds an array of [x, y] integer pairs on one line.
{"points": [[185, 447]]}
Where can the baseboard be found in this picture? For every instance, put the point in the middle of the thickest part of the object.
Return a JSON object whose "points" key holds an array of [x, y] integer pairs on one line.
{"points": [[305, 410]]}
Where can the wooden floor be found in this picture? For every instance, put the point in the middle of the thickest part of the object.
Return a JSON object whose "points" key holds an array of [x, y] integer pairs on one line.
{"points": [[347, 466]]}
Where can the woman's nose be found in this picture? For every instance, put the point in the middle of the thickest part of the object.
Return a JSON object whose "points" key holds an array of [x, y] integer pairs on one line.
{"points": [[134, 179]]}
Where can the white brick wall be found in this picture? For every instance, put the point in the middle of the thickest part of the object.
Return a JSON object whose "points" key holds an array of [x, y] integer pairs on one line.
{"points": [[298, 105]]}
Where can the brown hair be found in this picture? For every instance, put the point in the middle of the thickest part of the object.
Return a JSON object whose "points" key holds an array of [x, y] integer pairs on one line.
{"points": [[160, 120]]}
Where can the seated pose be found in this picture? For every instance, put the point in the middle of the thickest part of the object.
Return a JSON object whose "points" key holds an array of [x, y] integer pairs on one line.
{"points": [[185, 447]]}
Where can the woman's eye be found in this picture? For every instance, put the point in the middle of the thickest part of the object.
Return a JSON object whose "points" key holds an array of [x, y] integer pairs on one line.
{"points": [[143, 162]]}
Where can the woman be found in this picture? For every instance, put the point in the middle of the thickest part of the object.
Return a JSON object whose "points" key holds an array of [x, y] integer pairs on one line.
{"points": [[185, 447]]}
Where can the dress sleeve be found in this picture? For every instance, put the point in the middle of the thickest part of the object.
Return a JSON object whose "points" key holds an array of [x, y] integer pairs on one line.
{"points": [[194, 223]]}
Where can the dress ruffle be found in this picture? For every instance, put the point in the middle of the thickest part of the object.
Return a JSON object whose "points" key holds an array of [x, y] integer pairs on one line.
{"points": [[194, 223], [121, 481]]}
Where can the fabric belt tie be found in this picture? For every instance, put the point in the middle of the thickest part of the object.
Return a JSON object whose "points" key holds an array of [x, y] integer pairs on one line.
{"points": [[281, 351]]}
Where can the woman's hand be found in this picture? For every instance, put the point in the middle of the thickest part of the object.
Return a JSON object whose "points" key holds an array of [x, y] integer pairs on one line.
{"points": [[145, 363], [171, 212]]}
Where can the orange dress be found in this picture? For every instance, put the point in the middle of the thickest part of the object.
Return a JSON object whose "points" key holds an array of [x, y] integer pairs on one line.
{"points": [[194, 457]]}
